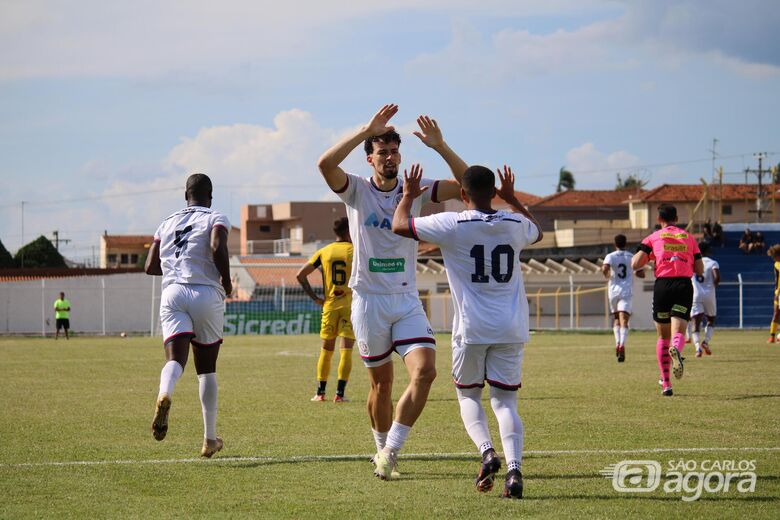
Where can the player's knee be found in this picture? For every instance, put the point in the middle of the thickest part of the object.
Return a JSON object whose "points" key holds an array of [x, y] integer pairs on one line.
{"points": [[382, 388], [424, 375]]}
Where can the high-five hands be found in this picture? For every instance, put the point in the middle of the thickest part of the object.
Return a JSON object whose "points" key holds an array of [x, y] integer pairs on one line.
{"points": [[378, 124], [412, 179], [430, 133]]}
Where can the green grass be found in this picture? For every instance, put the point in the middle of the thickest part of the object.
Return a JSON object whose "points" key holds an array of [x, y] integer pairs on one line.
{"points": [[91, 399]]}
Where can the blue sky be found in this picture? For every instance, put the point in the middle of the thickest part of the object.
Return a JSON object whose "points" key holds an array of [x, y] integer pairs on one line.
{"points": [[106, 107]]}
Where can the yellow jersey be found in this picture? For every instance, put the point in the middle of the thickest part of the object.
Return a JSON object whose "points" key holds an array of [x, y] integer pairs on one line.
{"points": [[335, 260], [777, 278]]}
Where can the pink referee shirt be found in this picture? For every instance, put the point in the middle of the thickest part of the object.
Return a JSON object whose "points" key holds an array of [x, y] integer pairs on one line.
{"points": [[674, 251]]}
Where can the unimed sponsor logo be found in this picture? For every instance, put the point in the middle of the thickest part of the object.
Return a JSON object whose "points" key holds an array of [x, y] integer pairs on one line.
{"points": [[289, 323]]}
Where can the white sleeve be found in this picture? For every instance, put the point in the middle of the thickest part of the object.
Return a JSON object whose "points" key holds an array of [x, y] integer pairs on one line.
{"points": [[530, 231], [715, 265], [347, 193], [433, 228], [430, 194], [158, 233], [220, 220], [608, 259]]}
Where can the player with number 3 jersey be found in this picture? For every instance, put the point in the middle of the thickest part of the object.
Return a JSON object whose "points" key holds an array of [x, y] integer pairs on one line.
{"points": [[620, 286]]}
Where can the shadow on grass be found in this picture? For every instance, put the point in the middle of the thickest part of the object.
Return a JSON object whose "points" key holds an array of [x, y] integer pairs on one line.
{"points": [[750, 396]]}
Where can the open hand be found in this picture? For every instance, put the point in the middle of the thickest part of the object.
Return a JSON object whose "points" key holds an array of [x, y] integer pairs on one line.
{"points": [[430, 133], [378, 124], [507, 189], [412, 182]]}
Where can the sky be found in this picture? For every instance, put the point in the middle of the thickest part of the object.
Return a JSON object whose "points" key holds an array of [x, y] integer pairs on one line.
{"points": [[106, 107]]}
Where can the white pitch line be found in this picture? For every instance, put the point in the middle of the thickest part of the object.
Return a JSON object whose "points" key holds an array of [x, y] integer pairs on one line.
{"points": [[366, 457]]}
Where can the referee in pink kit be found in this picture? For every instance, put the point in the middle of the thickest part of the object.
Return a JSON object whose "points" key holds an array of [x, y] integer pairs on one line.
{"points": [[677, 257]]}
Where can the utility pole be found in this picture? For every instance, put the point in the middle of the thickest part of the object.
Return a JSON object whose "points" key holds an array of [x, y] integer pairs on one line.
{"points": [[22, 248], [714, 172], [760, 174], [57, 239]]}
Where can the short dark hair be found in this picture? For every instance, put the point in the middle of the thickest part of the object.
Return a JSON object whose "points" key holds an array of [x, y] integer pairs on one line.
{"points": [[667, 212], [198, 186], [479, 181], [341, 226], [388, 137], [704, 247], [620, 241]]}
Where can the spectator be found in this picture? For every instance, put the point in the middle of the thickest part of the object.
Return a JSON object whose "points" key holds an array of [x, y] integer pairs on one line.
{"points": [[62, 315], [717, 235], [745, 243], [758, 246], [707, 232]]}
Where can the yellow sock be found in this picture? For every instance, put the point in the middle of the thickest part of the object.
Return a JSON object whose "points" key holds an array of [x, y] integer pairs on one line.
{"points": [[345, 363], [773, 328], [323, 365]]}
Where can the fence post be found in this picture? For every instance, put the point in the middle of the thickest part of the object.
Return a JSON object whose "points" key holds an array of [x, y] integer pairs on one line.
{"points": [[43, 307], [606, 309], [739, 278], [571, 302], [578, 306], [557, 308], [538, 308], [103, 291], [283, 291], [151, 326]]}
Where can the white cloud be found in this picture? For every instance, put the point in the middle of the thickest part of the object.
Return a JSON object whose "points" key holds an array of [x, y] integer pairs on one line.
{"points": [[594, 169]]}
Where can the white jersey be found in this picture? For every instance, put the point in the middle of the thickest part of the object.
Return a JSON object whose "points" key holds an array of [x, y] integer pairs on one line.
{"points": [[705, 284], [621, 276], [482, 255], [382, 261], [185, 246]]}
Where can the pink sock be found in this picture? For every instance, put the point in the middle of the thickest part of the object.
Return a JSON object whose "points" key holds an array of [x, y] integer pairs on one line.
{"points": [[664, 360], [678, 341]]}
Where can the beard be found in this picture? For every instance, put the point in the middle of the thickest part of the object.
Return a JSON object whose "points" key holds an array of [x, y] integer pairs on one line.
{"points": [[390, 173]]}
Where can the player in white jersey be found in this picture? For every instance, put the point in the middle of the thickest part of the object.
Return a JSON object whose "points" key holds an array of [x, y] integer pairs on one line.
{"points": [[387, 314], [481, 249], [704, 304], [617, 269], [190, 252]]}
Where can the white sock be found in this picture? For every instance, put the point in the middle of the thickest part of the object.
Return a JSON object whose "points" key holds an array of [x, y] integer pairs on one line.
{"points": [[207, 384], [504, 403], [696, 340], [616, 331], [170, 373], [623, 335], [380, 438], [708, 331], [474, 418], [396, 437]]}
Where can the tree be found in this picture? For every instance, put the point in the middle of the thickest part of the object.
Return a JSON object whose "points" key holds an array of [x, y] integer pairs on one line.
{"points": [[633, 181], [565, 180], [39, 253], [6, 260], [776, 174], [141, 263]]}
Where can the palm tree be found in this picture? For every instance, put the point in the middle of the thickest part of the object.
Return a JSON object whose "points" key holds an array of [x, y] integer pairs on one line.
{"points": [[565, 180]]}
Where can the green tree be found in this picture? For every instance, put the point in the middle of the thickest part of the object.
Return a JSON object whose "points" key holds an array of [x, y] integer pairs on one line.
{"points": [[6, 260], [631, 182], [39, 253], [776, 174], [565, 180], [141, 263]]}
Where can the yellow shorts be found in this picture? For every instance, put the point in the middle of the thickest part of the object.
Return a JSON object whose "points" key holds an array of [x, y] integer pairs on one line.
{"points": [[336, 322]]}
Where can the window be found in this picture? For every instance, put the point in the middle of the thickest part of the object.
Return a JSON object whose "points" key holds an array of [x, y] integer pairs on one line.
{"points": [[134, 259], [124, 258], [111, 259], [265, 229], [727, 209]]}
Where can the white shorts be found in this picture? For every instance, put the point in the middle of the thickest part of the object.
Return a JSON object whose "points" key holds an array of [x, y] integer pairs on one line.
{"points": [[705, 304], [384, 323], [197, 310], [619, 302], [500, 364]]}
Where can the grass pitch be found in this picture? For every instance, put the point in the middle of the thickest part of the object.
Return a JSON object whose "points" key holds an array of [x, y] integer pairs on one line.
{"points": [[76, 438]]}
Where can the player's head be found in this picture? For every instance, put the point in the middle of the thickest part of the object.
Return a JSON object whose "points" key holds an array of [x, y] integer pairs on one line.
{"points": [[382, 152], [62, 296], [704, 248], [774, 252], [198, 190], [620, 241], [478, 185], [341, 229], [667, 214]]}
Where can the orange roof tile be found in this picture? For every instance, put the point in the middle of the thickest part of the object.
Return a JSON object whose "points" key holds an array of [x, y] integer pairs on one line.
{"points": [[128, 240], [526, 199], [29, 274], [589, 198], [694, 192]]}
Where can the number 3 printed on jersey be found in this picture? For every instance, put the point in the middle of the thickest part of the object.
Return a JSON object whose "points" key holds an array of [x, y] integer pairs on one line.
{"points": [[478, 254]]}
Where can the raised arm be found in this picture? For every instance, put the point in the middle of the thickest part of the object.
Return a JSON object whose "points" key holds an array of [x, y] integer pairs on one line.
{"points": [[507, 193], [403, 211], [219, 252], [335, 155], [303, 279], [430, 134]]}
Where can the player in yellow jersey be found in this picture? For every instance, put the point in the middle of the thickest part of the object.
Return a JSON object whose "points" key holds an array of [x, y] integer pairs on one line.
{"points": [[335, 261], [774, 252]]}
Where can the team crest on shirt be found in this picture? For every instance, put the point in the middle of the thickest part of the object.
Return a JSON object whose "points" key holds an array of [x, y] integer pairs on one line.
{"points": [[363, 348]]}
